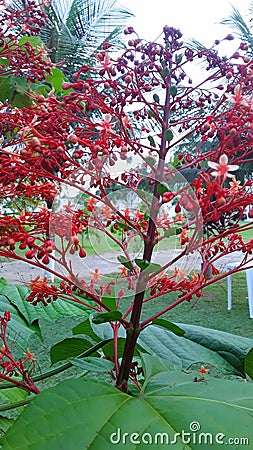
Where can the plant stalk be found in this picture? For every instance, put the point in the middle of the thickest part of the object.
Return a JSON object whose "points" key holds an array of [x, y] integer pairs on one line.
{"points": [[134, 328]]}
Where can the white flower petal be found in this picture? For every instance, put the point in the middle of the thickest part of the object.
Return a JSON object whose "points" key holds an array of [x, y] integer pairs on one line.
{"points": [[232, 167], [223, 160], [215, 173], [213, 165]]}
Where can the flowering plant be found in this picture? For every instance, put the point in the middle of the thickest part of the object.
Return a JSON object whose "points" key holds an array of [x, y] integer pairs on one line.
{"points": [[141, 104]]}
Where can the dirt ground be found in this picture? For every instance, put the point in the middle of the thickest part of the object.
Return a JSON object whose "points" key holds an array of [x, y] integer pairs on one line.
{"points": [[16, 272]]}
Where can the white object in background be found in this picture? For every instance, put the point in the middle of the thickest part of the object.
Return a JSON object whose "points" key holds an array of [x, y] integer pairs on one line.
{"points": [[50, 265], [249, 280]]}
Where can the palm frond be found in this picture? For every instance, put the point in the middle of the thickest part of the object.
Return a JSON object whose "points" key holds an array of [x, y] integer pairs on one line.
{"points": [[240, 26], [196, 45], [236, 21], [95, 20]]}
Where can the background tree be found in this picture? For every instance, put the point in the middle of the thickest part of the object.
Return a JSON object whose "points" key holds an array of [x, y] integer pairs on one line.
{"points": [[77, 29]]}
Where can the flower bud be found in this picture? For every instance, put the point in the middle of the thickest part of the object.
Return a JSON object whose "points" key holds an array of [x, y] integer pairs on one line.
{"points": [[167, 197], [177, 208], [35, 142], [45, 259], [250, 213], [72, 139], [82, 253]]}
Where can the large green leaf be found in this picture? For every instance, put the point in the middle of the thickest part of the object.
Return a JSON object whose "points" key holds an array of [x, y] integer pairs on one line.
{"points": [[169, 326], [78, 414], [7, 398], [16, 296], [18, 330], [5, 423], [223, 350], [231, 347], [86, 329]]}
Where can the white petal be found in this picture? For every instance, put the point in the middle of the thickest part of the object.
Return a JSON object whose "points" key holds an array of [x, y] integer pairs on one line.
{"points": [[213, 165], [215, 173], [223, 160], [232, 167]]}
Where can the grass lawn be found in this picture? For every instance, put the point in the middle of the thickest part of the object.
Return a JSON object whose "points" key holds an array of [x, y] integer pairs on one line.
{"points": [[211, 309]]}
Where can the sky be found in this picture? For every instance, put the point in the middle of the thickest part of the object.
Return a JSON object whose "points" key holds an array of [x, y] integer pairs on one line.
{"points": [[196, 19]]}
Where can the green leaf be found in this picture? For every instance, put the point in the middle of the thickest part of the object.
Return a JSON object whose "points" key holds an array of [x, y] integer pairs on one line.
{"points": [[68, 348], [152, 141], [97, 414], [153, 365], [9, 397], [248, 364], [124, 226], [21, 101], [173, 91], [172, 232], [165, 72], [169, 326], [232, 348], [162, 188], [5, 423], [93, 364], [125, 262], [108, 349], [151, 113], [179, 58], [104, 330], [109, 301], [56, 79], [20, 85], [141, 263], [4, 62], [150, 161], [147, 266], [16, 296], [12, 395], [3, 283], [153, 267], [6, 89], [156, 98], [168, 135], [18, 329], [35, 41], [175, 163], [86, 329], [111, 316], [224, 351]]}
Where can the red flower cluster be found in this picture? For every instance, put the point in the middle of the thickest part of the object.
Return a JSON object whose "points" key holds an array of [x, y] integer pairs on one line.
{"points": [[20, 56], [10, 368], [42, 292]]}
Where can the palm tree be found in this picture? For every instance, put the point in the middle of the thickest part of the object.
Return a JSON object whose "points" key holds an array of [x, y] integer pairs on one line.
{"points": [[77, 29], [242, 27]]}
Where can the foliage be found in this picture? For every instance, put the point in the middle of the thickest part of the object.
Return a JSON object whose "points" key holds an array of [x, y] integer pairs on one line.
{"points": [[76, 30], [227, 403], [65, 136]]}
